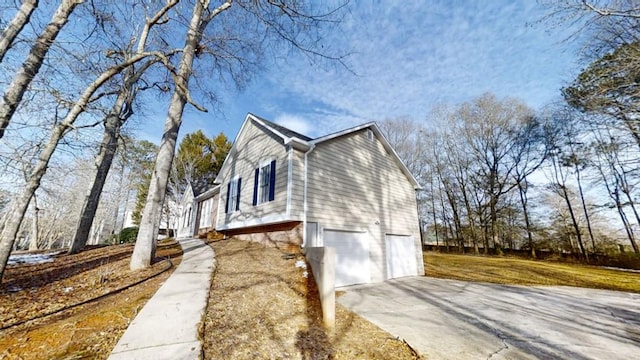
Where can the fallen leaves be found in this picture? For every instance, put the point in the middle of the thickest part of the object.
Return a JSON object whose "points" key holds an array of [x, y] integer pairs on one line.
{"points": [[87, 331]]}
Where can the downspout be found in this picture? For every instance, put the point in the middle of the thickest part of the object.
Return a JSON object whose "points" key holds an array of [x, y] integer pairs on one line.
{"points": [[304, 211]]}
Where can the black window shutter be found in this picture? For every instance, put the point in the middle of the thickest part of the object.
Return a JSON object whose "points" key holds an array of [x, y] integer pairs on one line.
{"points": [[272, 181], [226, 206], [239, 187], [255, 187]]}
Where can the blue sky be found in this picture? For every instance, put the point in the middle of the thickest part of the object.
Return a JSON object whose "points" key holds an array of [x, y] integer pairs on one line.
{"points": [[408, 56]]}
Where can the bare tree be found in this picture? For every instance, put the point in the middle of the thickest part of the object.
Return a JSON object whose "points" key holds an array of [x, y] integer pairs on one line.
{"points": [[491, 128], [60, 129], [16, 90], [121, 111], [16, 25], [559, 186], [618, 171], [280, 22]]}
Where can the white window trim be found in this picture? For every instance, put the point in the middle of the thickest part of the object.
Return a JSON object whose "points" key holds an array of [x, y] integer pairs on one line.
{"points": [[262, 164], [234, 182]]}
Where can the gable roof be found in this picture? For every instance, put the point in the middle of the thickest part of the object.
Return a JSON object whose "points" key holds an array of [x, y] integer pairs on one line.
{"points": [[280, 130], [208, 193], [289, 136], [383, 140], [200, 185]]}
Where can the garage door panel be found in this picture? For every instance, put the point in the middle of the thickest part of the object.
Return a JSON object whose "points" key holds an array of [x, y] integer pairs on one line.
{"points": [[352, 256], [401, 256]]}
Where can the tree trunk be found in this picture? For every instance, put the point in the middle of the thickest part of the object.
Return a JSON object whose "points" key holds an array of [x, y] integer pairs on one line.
{"points": [[33, 242], [574, 222], [435, 220], [584, 208], [523, 201], [145, 248], [456, 218], [31, 66], [472, 225], [625, 222], [104, 159], [632, 203], [12, 227], [17, 24]]}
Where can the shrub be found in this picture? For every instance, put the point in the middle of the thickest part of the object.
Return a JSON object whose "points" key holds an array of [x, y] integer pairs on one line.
{"points": [[128, 235]]}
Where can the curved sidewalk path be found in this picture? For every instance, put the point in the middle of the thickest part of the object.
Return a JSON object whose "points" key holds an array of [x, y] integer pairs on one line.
{"points": [[167, 326]]}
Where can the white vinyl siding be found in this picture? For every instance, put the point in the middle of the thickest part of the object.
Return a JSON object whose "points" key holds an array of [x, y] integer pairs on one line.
{"points": [[186, 214], [353, 183], [297, 185], [254, 146], [206, 213]]}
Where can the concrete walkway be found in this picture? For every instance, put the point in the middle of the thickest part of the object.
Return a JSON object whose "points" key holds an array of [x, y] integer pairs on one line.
{"points": [[448, 319], [167, 326]]}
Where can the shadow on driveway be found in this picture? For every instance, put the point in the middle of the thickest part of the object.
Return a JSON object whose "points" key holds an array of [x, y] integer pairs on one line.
{"points": [[449, 319]]}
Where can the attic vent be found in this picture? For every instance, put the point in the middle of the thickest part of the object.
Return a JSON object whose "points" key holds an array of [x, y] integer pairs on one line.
{"points": [[369, 134]]}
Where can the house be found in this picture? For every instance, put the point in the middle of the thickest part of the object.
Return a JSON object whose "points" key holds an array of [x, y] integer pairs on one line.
{"points": [[348, 190], [207, 211], [195, 196]]}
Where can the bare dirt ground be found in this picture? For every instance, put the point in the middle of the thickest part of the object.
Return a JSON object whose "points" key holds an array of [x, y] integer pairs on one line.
{"points": [[39, 313], [262, 307]]}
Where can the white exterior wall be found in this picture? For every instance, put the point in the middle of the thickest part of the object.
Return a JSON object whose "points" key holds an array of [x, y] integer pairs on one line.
{"points": [[186, 215], [254, 147], [297, 185], [355, 185]]}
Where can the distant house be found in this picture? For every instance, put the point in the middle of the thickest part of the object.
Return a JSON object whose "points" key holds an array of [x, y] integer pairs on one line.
{"points": [[207, 210], [348, 190], [189, 208]]}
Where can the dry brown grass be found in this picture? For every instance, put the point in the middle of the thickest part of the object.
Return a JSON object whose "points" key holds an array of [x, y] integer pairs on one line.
{"points": [[516, 271], [88, 331], [261, 307]]}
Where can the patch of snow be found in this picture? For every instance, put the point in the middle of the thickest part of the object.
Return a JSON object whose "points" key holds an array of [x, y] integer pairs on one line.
{"points": [[305, 274], [301, 264], [31, 258], [620, 269], [68, 289]]}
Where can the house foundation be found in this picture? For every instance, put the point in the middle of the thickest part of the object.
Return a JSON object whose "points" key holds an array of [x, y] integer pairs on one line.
{"points": [[284, 235]]}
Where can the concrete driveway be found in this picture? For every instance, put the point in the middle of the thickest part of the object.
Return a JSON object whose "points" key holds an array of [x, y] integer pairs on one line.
{"points": [[447, 319]]}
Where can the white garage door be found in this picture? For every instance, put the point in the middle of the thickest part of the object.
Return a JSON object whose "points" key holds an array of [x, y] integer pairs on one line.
{"points": [[401, 256], [352, 256]]}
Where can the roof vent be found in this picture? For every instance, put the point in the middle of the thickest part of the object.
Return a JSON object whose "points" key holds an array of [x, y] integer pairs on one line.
{"points": [[370, 134]]}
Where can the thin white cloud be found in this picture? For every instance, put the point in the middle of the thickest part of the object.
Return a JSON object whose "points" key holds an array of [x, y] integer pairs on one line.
{"points": [[295, 123], [409, 57]]}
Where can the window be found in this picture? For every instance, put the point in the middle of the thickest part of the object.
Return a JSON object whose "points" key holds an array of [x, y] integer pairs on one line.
{"points": [[206, 213], [264, 183], [186, 219], [233, 195]]}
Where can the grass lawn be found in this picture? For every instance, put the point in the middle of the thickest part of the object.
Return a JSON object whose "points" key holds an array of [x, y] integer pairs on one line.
{"points": [[516, 271]]}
